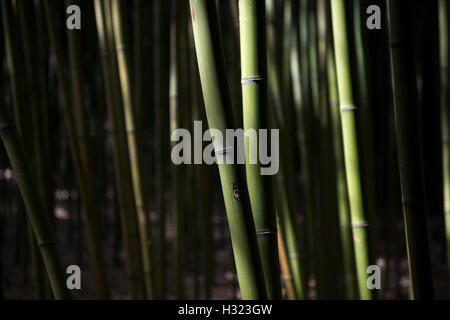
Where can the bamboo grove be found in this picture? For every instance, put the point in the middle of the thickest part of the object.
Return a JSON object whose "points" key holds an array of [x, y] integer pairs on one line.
{"points": [[359, 207]]}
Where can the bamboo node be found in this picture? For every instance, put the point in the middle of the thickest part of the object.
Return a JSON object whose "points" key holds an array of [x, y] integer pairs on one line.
{"points": [[293, 255], [224, 151], [348, 108], [264, 232], [254, 79], [120, 47]]}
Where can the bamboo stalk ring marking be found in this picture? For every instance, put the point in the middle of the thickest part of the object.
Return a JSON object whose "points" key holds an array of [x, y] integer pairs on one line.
{"points": [[348, 108], [264, 232], [254, 79]]}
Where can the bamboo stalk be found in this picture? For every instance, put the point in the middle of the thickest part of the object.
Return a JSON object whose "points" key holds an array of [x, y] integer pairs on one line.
{"points": [[285, 267], [254, 100], [341, 186], [34, 205], [445, 115], [84, 186], [359, 222], [132, 263], [217, 99], [409, 158], [285, 176], [135, 159]]}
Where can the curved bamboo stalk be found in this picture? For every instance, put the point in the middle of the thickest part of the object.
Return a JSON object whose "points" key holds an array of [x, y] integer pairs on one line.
{"points": [[34, 205]]}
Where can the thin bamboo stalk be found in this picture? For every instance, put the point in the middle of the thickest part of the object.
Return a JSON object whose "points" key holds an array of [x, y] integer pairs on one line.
{"points": [[359, 220], [161, 68], [341, 185], [132, 263], [34, 205], [85, 188], [284, 200], [445, 115], [409, 158], [135, 159], [217, 99]]}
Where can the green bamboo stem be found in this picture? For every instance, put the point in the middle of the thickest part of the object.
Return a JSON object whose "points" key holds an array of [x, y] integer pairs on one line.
{"points": [[330, 214], [254, 100], [81, 121], [445, 115], [16, 87], [410, 159], [85, 187], [217, 101], [341, 185], [132, 264], [34, 205], [359, 220], [135, 159], [202, 183], [285, 268], [307, 144], [365, 98], [118, 117], [284, 200]]}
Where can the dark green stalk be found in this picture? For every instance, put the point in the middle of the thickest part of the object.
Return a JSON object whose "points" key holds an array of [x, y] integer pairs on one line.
{"points": [[445, 114], [34, 205], [161, 81], [409, 156], [84, 186], [118, 117], [132, 263], [135, 158]]}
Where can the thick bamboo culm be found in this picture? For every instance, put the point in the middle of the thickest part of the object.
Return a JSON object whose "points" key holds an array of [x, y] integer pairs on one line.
{"points": [[252, 15], [217, 99]]}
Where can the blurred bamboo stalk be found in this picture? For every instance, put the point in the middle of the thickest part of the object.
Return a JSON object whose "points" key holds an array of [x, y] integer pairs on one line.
{"points": [[134, 156], [409, 158]]}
